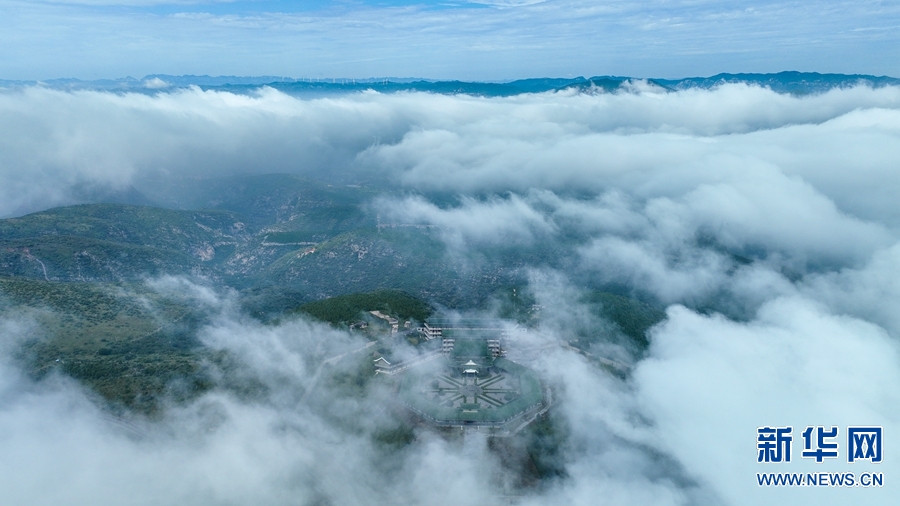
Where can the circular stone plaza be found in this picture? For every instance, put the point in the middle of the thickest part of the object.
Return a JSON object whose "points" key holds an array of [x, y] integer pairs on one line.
{"points": [[473, 387]]}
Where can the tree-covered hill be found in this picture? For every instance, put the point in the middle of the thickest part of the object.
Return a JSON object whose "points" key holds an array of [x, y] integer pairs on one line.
{"points": [[410, 259], [140, 225], [349, 308], [102, 242], [279, 203], [130, 345]]}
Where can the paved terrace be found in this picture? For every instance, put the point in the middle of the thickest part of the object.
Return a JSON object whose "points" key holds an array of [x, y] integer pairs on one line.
{"points": [[494, 399]]}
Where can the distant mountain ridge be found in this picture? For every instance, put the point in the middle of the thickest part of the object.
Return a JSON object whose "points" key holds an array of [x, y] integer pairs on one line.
{"points": [[791, 82], [784, 82]]}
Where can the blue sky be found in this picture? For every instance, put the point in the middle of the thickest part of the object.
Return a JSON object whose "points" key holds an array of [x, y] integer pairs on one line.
{"points": [[454, 39]]}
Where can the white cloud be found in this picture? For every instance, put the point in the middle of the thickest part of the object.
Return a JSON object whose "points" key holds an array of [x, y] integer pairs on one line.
{"points": [[646, 144], [709, 383], [499, 222], [868, 292], [691, 276]]}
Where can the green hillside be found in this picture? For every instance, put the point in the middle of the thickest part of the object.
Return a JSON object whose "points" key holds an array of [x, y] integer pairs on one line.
{"points": [[409, 259], [63, 257], [144, 226], [288, 202], [131, 346], [345, 309], [107, 242], [632, 317]]}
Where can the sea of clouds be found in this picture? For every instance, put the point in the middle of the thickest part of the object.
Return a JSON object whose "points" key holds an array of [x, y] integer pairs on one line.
{"points": [[768, 226]]}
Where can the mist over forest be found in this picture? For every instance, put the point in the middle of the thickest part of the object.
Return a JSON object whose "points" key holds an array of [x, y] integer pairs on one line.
{"points": [[179, 270]]}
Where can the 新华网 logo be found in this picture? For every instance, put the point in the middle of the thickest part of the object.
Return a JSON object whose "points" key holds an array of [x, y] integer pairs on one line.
{"points": [[820, 442]]}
